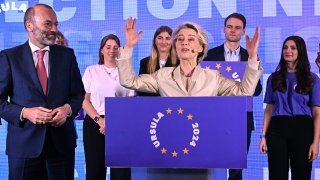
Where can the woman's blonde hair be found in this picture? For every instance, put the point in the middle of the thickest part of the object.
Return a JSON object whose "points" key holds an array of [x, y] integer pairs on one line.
{"points": [[202, 37], [154, 57]]}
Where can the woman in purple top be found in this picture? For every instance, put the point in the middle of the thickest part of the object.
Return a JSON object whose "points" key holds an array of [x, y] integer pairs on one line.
{"points": [[291, 128]]}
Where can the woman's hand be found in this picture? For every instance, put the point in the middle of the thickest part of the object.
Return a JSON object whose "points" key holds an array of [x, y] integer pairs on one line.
{"points": [[101, 124], [313, 151], [131, 36], [252, 46], [263, 146]]}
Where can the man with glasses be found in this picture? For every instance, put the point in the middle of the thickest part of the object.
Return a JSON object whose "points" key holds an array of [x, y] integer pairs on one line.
{"points": [[230, 50], [45, 90]]}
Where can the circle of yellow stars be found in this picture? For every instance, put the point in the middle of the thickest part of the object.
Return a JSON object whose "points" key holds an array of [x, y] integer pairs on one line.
{"points": [[184, 151]]}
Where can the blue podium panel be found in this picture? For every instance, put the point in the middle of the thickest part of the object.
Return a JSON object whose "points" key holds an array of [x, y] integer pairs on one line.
{"points": [[176, 132]]}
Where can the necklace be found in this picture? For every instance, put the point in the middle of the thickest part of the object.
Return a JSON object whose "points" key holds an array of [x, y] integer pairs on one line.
{"points": [[162, 63], [109, 70], [112, 73]]}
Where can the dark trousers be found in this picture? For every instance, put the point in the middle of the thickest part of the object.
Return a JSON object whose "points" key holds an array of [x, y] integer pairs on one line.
{"points": [[120, 173], [177, 174], [288, 141], [50, 165], [94, 150], [236, 174]]}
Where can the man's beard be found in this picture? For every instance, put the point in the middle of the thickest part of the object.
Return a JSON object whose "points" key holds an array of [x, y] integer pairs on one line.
{"points": [[45, 37]]}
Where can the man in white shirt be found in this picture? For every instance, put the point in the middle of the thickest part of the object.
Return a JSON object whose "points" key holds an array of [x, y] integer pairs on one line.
{"points": [[43, 83], [231, 51]]}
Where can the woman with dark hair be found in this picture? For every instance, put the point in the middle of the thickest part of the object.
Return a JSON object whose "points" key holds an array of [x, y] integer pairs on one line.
{"points": [[100, 81], [162, 54], [291, 128]]}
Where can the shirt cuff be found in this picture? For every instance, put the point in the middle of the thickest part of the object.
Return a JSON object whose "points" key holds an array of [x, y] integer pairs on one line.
{"points": [[21, 115], [254, 63]]}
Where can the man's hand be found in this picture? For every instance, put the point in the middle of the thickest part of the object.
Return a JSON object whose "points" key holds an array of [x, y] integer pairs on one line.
{"points": [[38, 115], [60, 115]]}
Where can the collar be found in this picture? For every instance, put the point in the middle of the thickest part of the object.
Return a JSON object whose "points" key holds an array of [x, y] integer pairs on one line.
{"points": [[35, 48], [227, 51]]}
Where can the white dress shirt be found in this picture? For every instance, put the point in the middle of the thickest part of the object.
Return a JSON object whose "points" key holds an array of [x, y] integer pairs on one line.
{"points": [[34, 50], [231, 56]]}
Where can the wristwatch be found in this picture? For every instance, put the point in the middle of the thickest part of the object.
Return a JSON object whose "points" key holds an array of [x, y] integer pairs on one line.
{"points": [[96, 119]]}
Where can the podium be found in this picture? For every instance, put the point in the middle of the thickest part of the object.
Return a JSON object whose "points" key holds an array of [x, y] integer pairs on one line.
{"points": [[176, 132]]}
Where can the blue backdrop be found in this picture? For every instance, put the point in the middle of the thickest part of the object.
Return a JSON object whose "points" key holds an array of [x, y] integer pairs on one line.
{"points": [[85, 22]]}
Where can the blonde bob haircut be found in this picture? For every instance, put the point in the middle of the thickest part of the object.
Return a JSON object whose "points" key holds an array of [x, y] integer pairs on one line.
{"points": [[202, 38]]}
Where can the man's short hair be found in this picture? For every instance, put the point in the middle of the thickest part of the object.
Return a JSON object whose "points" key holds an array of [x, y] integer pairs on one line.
{"points": [[237, 16], [29, 14]]}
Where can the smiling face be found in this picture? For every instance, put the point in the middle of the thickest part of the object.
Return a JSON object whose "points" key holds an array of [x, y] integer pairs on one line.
{"points": [[234, 30], [43, 27], [290, 51], [187, 45], [163, 42], [110, 50]]}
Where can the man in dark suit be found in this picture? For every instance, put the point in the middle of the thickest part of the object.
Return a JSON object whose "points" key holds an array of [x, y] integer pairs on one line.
{"points": [[45, 91], [234, 29]]}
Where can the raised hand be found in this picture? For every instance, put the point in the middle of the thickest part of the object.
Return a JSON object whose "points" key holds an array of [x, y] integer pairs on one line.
{"points": [[252, 46], [131, 36]]}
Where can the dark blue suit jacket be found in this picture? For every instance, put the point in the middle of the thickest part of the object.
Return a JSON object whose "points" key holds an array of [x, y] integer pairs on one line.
{"points": [[217, 54], [19, 82]]}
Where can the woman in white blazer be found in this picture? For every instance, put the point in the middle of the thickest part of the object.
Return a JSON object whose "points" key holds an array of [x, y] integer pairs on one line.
{"points": [[188, 79]]}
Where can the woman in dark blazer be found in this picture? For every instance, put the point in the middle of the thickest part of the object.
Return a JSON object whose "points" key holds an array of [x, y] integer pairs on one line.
{"points": [[162, 54]]}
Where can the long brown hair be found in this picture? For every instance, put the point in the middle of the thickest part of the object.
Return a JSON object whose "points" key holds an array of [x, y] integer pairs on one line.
{"points": [[103, 42], [154, 57], [304, 76]]}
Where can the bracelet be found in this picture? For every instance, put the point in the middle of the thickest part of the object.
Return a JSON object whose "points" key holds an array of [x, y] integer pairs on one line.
{"points": [[262, 136]]}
